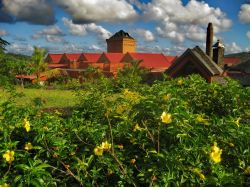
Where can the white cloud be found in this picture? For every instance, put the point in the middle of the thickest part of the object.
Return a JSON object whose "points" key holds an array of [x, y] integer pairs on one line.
{"points": [[83, 11], [32, 11], [54, 39], [74, 48], [248, 34], [179, 22], [83, 29], [232, 48], [146, 34], [19, 48], [3, 32], [247, 49], [244, 14], [174, 50], [51, 34], [94, 47]]}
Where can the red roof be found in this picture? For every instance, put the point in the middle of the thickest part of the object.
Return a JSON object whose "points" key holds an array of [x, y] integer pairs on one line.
{"points": [[231, 60], [112, 57], [57, 65], [171, 59], [55, 57], [153, 60], [92, 57], [31, 77], [72, 57]]}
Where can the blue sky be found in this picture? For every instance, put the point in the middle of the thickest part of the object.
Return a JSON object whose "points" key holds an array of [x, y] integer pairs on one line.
{"points": [[165, 26]]}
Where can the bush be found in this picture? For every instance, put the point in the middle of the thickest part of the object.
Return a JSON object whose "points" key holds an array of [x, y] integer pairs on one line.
{"points": [[182, 132]]}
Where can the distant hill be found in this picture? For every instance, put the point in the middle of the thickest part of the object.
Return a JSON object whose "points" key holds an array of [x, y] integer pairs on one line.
{"points": [[19, 56], [244, 56]]}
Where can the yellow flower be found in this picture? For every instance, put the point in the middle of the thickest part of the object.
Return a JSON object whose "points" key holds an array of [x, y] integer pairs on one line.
{"points": [[198, 172], [247, 170], [4, 185], [237, 122], [9, 156], [202, 120], [137, 128], [72, 153], [45, 128], [121, 108], [26, 125], [98, 151], [202, 177], [132, 97], [231, 145], [166, 118], [105, 146], [180, 82], [120, 146], [28, 146], [215, 154], [166, 97]]}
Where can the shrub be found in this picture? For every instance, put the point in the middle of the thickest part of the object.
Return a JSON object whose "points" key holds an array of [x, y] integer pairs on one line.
{"points": [[182, 132]]}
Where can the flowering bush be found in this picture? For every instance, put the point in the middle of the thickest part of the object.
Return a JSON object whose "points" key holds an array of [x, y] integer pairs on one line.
{"points": [[182, 132]]}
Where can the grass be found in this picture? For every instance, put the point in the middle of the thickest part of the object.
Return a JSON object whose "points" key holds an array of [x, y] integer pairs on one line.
{"points": [[49, 98]]}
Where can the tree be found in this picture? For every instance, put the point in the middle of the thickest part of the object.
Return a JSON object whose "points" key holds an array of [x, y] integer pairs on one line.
{"points": [[131, 75], [38, 61], [3, 44]]}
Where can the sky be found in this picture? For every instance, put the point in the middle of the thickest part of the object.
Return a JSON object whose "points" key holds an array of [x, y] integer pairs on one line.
{"points": [[159, 26]]}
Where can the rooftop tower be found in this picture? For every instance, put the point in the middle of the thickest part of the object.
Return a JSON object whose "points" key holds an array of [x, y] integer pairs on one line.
{"points": [[121, 42]]}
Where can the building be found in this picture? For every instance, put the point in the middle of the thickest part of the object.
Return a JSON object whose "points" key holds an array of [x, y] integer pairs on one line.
{"points": [[212, 65], [195, 61], [121, 42], [121, 50]]}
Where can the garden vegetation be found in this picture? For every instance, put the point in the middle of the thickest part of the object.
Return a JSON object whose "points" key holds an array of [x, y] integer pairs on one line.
{"points": [[179, 132]]}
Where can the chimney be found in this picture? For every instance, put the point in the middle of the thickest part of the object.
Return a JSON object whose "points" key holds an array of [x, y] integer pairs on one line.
{"points": [[218, 54], [209, 41]]}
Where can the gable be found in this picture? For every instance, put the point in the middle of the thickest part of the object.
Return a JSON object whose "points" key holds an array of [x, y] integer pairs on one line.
{"points": [[190, 66], [72, 57], [103, 59], [91, 57], [127, 58], [53, 58], [64, 59], [194, 61], [82, 58]]}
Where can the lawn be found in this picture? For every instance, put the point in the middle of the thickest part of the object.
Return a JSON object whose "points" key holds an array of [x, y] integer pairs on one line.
{"points": [[49, 98]]}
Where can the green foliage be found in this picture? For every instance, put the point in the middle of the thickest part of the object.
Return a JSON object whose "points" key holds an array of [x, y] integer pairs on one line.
{"points": [[3, 44], [117, 137], [131, 75], [11, 65], [38, 61]]}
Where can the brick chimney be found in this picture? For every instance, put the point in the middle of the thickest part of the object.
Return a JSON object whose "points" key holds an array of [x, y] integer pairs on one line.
{"points": [[218, 54], [209, 41]]}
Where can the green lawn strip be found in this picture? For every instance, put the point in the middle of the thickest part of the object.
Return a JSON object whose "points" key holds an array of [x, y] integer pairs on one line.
{"points": [[49, 98]]}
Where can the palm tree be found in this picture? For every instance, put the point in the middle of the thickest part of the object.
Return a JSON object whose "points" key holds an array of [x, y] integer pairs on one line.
{"points": [[38, 61], [3, 44]]}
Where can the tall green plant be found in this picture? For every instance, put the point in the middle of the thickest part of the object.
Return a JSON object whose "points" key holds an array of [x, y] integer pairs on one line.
{"points": [[131, 75], [38, 61]]}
